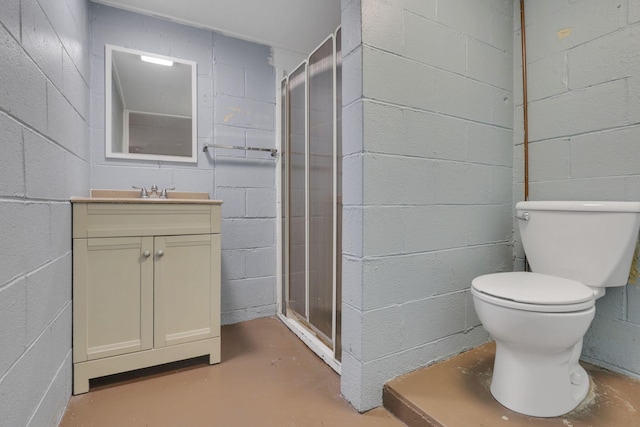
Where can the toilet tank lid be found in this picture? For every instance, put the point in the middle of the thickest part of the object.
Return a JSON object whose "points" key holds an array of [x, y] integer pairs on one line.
{"points": [[533, 288], [593, 206]]}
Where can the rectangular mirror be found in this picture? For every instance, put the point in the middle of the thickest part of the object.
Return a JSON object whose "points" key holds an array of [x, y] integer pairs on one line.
{"points": [[150, 109]]}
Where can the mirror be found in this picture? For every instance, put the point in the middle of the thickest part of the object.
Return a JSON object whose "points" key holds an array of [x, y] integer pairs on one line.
{"points": [[150, 109]]}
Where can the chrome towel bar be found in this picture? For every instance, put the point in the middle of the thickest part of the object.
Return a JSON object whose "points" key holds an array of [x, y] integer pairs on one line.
{"points": [[273, 151]]}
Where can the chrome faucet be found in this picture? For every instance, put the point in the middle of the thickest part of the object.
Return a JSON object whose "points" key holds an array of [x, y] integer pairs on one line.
{"points": [[163, 193], [143, 192], [153, 192]]}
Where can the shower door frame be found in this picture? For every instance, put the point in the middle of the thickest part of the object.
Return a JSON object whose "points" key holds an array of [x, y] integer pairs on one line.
{"points": [[293, 321]]}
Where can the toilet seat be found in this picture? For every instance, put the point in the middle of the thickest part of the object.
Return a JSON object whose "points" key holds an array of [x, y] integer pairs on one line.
{"points": [[533, 292]]}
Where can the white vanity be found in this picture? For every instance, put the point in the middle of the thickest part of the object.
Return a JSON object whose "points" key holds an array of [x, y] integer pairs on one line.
{"points": [[146, 281]]}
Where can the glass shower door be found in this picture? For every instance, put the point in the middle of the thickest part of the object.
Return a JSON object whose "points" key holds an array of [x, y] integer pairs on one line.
{"points": [[338, 200], [297, 298], [321, 179], [311, 199]]}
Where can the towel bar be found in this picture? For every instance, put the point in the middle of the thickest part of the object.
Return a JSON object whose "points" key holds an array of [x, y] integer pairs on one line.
{"points": [[273, 151]]}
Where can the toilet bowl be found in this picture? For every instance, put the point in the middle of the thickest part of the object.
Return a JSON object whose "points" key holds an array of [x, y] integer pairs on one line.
{"points": [[538, 319], [538, 345]]}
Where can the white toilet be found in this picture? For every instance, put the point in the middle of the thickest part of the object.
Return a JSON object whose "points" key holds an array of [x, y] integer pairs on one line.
{"points": [[538, 319]]}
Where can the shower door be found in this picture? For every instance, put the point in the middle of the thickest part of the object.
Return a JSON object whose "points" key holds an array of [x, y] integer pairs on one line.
{"points": [[297, 153], [320, 190], [310, 199]]}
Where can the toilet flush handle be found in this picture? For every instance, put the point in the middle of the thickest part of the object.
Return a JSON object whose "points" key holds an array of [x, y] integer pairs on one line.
{"points": [[524, 217]]}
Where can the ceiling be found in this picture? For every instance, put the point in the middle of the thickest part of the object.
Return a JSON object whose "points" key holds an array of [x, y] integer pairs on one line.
{"points": [[296, 25]]}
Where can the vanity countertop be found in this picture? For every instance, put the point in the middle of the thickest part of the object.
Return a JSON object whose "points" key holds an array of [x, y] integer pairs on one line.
{"points": [[133, 196]]}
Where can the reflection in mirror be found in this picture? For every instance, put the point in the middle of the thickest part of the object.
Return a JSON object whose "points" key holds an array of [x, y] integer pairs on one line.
{"points": [[150, 106]]}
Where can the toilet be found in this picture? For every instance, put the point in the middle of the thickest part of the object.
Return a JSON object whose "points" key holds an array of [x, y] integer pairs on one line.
{"points": [[538, 318]]}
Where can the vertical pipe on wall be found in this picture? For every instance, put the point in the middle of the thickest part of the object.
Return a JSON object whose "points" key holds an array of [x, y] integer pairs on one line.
{"points": [[524, 101]]}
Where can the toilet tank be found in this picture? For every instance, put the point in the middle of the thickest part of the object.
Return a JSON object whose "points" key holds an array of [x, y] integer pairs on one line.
{"points": [[592, 242]]}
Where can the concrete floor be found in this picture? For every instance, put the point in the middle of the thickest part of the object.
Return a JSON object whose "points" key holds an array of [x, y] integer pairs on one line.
{"points": [[267, 377], [455, 393]]}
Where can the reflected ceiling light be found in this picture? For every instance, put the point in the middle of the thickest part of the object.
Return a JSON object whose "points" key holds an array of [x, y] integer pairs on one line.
{"points": [[158, 61]]}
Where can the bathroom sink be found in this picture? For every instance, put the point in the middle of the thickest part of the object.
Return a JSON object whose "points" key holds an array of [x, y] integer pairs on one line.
{"points": [[133, 196]]}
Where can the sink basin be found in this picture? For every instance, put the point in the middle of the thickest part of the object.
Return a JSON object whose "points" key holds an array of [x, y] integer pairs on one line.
{"points": [[133, 196]]}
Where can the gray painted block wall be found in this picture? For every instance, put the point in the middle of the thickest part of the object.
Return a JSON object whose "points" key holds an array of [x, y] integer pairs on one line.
{"points": [[584, 128], [236, 106], [44, 129], [44, 124], [428, 151]]}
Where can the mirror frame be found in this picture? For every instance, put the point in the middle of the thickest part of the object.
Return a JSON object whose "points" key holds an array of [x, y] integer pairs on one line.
{"points": [[109, 153]]}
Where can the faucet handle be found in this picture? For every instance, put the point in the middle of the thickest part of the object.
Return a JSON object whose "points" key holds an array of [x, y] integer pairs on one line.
{"points": [[143, 192], [163, 194]]}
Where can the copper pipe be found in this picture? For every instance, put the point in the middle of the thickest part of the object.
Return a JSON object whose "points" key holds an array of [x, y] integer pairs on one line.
{"points": [[525, 102]]}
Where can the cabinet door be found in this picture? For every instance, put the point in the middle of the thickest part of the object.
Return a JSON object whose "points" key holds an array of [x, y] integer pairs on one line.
{"points": [[112, 296], [187, 288]]}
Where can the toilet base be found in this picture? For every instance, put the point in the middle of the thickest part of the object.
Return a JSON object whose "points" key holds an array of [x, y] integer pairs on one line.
{"points": [[537, 384]]}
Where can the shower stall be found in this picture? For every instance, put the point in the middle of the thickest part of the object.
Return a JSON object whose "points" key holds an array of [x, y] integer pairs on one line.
{"points": [[311, 200]]}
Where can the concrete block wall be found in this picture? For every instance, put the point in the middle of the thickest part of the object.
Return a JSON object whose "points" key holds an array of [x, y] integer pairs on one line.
{"points": [[583, 62], [428, 152], [44, 160], [244, 114], [236, 106]]}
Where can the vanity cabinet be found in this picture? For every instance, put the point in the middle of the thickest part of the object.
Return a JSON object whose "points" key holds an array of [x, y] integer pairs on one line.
{"points": [[146, 285]]}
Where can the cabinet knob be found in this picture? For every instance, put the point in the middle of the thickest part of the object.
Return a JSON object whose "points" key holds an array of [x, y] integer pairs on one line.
{"points": [[146, 254], [160, 253]]}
